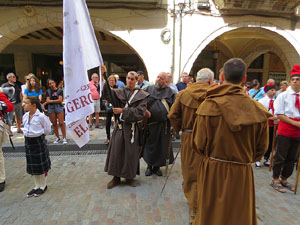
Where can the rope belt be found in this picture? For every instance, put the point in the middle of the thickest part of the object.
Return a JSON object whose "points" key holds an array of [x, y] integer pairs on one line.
{"points": [[187, 130], [226, 161], [120, 126]]}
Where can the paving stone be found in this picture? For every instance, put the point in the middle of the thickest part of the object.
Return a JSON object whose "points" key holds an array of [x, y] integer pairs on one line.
{"points": [[77, 194]]}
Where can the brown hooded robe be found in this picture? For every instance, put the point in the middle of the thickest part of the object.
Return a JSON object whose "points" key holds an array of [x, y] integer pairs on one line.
{"points": [[123, 156], [231, 132], [182, 116]]}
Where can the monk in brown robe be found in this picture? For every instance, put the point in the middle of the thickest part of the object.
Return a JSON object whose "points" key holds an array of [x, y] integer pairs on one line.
{"points": [[230, 132], [123, 150], [182, 116]]}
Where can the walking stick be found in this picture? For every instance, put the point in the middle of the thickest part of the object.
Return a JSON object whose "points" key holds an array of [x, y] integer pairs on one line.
{"points": [[145, 120], [297, 176], [169, 153], [162, 190], [12, 144], [273, 143]]}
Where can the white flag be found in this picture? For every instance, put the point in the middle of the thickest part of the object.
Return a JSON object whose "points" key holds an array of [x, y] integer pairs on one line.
{"points": [[80, 53]]}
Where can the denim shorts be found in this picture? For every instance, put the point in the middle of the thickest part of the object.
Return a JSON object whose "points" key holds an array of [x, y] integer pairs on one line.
{"points": [[55, 108]]}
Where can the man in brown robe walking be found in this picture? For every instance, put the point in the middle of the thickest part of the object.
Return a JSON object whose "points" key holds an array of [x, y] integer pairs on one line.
{"points": [[230, 132], [123, 150], [182, 116]]}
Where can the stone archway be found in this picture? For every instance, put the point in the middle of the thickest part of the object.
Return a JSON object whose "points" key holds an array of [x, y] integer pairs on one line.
{"points": [[23, 25], [251, 55], [284, 40]]}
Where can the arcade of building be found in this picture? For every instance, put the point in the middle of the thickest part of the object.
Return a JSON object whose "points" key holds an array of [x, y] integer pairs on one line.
{"points": [[156, 35]]}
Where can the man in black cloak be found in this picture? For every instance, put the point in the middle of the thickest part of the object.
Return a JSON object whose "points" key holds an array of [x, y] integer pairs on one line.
{"points": [[158, 128]]}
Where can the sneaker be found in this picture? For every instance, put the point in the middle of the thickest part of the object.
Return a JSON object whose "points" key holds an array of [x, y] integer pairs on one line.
{"points": [[57, 140], [65, 141], [257, 164], [267, 162], [31, 193], [39, 192]]}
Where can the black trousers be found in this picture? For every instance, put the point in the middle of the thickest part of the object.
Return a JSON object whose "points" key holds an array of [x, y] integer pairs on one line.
{"points": [[108, 124], [268, 152], [286, 155]]}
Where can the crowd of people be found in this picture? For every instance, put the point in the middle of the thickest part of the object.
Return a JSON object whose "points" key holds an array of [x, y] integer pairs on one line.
{"points": [[225, 126], [51, 100]]}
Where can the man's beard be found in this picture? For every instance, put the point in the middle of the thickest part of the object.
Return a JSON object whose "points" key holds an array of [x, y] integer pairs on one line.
{"points": [[160, 86]]}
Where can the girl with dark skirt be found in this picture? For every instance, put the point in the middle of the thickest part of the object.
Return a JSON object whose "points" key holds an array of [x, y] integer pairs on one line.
{"points": [[36, 126]]}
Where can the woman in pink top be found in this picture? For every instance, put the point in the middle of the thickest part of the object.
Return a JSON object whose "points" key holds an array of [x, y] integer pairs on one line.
{"points": [[95, 91]]}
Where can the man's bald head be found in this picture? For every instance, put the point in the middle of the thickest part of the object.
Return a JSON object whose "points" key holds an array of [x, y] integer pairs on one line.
{"points": [[271, 81], [161, 79]]}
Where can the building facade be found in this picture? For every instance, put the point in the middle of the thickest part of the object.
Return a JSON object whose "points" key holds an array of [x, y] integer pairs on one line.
{"points": [[157, 35]]}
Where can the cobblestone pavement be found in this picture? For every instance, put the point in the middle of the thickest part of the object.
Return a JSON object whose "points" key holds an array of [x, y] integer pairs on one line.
{"points": [[77, 194]]}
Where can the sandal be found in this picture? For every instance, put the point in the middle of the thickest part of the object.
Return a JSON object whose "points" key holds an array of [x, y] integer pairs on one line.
{"points": [[277, 186], [288, 185]]}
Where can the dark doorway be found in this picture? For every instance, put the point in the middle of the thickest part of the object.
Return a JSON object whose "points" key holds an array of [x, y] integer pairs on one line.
{"points": [[254, 75], [7, 65], [47, 66]]}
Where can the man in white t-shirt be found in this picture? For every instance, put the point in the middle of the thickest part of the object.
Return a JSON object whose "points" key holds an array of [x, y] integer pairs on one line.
{"points": [[268, 103], [287, 109]]}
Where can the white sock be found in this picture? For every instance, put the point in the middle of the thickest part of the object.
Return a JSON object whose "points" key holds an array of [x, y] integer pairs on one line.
{"points": [[42, 181], [36, 182]]}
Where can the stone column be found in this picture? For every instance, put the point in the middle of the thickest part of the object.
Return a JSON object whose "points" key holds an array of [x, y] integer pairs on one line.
{"points": [[23, 63]]}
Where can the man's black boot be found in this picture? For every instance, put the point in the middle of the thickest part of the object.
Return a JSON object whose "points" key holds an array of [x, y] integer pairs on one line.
{"points": [[148, 171], [157, 171], [2, 186]]}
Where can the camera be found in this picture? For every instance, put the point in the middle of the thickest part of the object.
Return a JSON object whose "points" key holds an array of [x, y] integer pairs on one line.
{"points": [[8, 91]]}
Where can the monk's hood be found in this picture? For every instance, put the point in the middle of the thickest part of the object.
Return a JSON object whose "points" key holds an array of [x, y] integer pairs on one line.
{"points": [[236, 107], [196, 92], [120, 92]]}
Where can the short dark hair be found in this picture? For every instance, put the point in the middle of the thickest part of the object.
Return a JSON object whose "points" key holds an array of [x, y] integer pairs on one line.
{"points": [[140, 72], [234, 70], [133, 73], [35, 101]]}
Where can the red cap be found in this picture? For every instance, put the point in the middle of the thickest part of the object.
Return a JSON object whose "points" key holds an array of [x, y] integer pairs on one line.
{"points": [[269, 87], [295, 71]]}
